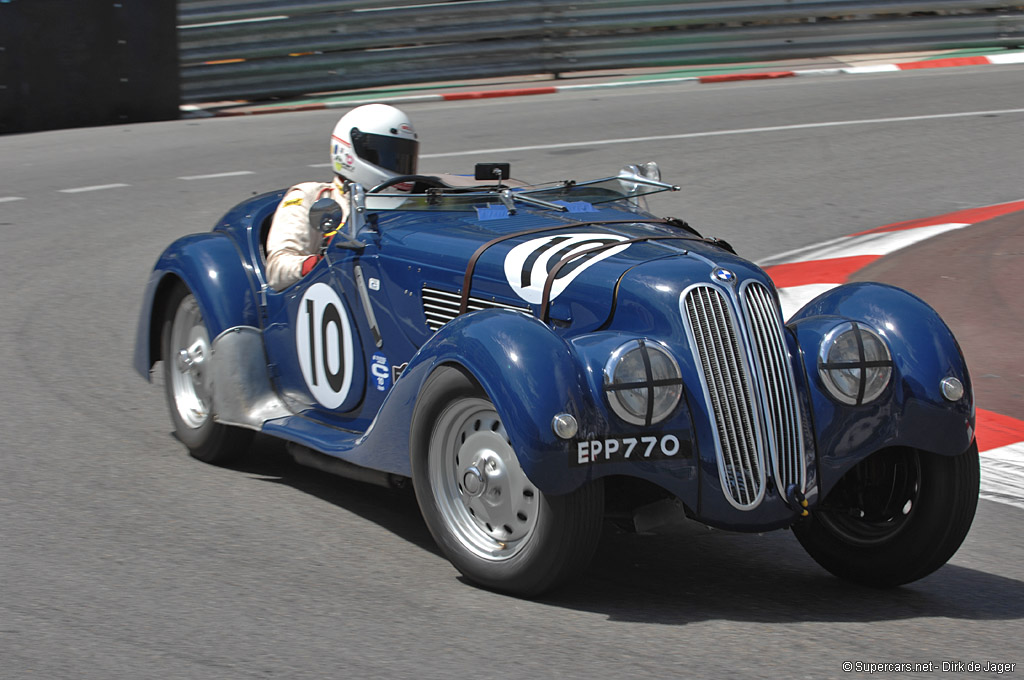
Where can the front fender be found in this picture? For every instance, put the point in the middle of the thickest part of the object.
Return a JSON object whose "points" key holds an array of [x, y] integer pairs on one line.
{"points": [[528, 372], [223, 284], [912, 411]]}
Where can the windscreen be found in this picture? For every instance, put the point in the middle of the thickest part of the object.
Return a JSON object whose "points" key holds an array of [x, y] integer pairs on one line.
{"points": [[458, 199]]}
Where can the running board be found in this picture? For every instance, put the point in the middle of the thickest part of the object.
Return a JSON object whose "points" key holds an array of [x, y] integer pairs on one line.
{"points": [[306, 456]]}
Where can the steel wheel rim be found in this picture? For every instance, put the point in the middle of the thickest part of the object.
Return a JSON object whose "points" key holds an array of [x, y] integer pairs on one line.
{"points": [[189, 352], [876, 525], [482, 493]]}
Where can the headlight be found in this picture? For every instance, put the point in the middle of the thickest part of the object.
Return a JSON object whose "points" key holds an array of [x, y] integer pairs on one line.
{"points": [[642, 382], [854, 363]]}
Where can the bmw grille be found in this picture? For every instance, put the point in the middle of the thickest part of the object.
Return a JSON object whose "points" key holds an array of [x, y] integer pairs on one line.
{"points": [[749, 389]]}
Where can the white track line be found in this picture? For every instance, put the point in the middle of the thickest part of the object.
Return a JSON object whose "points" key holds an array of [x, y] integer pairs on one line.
{"points": [[236, 173], [719, 133], [1002, 475], [877, 243], [98, 187]]}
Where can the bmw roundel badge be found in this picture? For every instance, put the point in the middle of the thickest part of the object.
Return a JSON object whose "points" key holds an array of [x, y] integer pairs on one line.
{"points": [[723, 275]]}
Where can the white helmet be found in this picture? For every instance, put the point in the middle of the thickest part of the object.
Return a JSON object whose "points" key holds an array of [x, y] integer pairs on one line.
{"points": [[373, 143]]}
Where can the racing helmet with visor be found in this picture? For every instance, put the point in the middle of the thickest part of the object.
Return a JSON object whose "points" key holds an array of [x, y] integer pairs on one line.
{"points": [[373, 143]]}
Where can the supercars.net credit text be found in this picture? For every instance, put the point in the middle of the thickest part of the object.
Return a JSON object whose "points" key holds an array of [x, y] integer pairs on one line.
{"points": [[871, 667]]}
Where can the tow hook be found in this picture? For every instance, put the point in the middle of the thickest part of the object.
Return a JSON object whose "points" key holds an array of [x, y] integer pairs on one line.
{"points": [[797, 500]]}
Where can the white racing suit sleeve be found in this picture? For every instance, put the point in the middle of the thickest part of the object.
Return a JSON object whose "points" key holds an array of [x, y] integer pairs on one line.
{"points": [[292, 239]]}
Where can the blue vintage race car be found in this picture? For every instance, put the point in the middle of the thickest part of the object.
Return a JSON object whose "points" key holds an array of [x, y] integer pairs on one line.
{"points": [[539, 358]]}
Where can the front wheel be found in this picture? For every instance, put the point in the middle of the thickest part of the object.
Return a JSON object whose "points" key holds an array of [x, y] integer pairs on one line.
{"points": [[487, 517], [186, 355], [894, 518]]}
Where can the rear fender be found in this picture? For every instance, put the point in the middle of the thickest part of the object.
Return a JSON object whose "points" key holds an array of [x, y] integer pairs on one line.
{"points": [[912, 411], [224, 287]]}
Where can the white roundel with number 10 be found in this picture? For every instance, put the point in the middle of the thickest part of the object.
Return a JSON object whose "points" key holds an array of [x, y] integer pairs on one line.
{"points": [[323, 338]]}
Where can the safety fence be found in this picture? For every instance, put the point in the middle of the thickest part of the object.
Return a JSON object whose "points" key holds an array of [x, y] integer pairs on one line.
{"points": [[264, 49], [79, 63]]}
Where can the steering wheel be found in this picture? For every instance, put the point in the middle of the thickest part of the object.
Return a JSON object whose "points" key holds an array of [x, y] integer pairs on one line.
{"points": [[416, 179]]}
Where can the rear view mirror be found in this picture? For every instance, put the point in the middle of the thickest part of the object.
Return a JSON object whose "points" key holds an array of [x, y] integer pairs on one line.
{"points": [[492, 171], [325, 215]]}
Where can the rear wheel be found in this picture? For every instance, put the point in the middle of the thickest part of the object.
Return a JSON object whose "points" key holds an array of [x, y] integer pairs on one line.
{"points": [[186, 355], [487, 517], [894, 518]]}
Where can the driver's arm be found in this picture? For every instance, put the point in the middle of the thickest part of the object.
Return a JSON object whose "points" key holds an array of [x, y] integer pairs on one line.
{"points": [[291, 240]]}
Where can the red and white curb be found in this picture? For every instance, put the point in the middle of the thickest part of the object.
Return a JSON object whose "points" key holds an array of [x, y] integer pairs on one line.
{"points": [[1009, 57], [803, 274], [1014, 57]]}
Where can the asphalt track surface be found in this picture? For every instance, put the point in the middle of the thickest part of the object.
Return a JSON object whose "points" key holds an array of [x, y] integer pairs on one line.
{"points": [[974, 279], [121, 557]]}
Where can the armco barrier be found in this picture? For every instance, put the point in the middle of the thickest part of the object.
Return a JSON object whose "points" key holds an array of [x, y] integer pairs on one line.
{"points": [[270, 48]]}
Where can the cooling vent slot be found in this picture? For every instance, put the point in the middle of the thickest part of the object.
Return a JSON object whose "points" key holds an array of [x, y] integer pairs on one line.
{"points": [[440, 306]]}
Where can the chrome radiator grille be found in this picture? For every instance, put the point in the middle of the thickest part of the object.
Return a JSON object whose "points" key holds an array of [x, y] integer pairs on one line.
{"points": [[440, 306], [778, 391], [727, 383], [749, 390]]}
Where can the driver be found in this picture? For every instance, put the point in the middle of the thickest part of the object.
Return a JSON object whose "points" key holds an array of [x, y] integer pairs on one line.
{"points": [[369, 145]]}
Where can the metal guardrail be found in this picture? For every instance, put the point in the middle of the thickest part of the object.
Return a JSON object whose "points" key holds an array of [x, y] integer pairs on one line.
{"points": [[268, 48]]}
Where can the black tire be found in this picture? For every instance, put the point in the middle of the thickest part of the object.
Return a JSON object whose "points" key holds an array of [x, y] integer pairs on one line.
{"points": [[189, 394], [894, 518], [504, 533]]}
